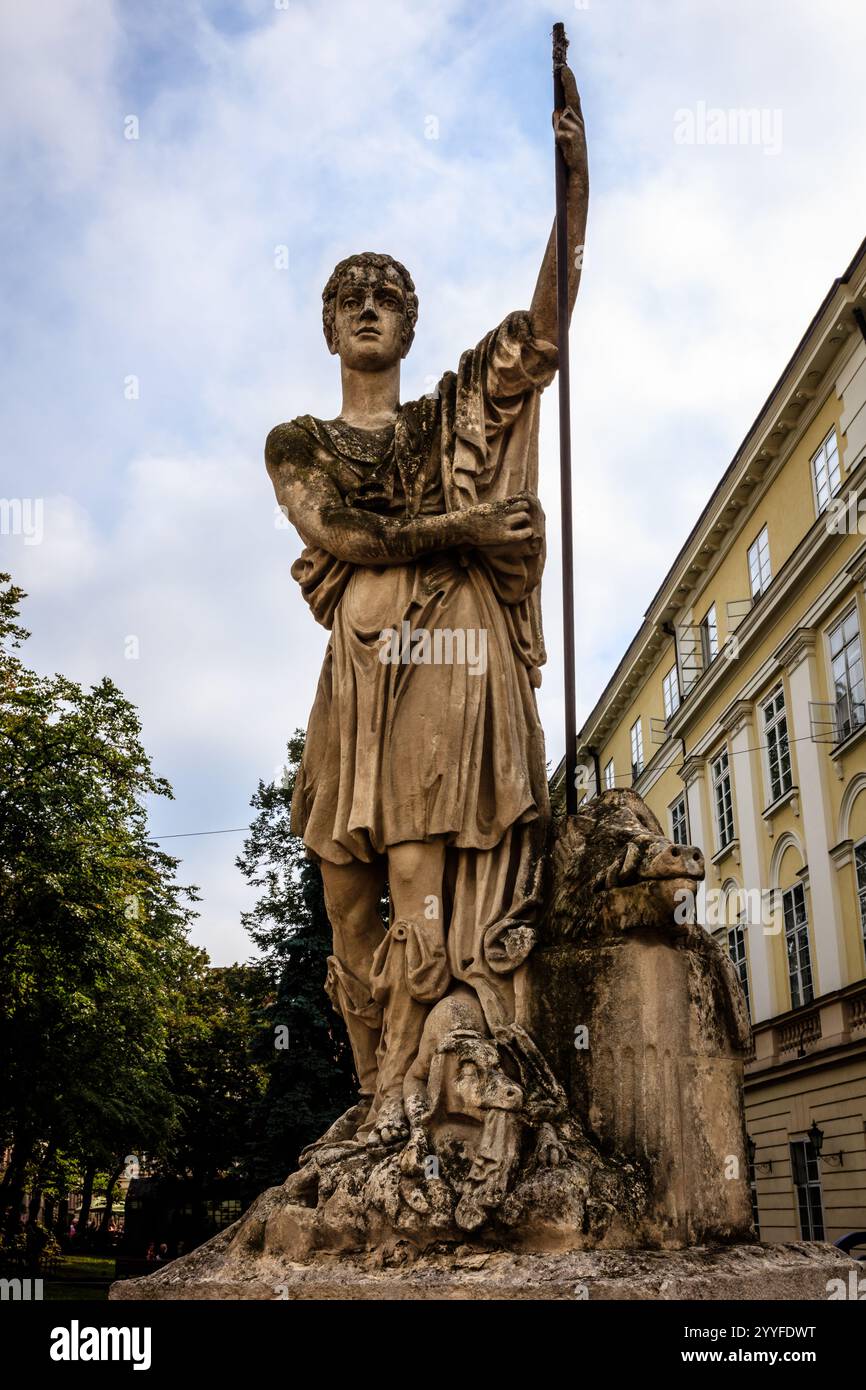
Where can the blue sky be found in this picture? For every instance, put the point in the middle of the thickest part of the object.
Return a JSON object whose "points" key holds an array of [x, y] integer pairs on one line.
{"points": [[308, 127]]}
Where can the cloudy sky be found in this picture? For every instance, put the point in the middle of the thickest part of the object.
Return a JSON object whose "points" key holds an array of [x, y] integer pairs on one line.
{"points": [[163, 310]]}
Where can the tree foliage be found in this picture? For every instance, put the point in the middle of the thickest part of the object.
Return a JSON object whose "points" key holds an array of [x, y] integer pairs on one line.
{"points": [[311, 1081], [93, 926]]}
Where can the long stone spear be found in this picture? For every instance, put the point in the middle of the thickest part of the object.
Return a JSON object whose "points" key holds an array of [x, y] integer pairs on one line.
{"points": [[560, 44]]}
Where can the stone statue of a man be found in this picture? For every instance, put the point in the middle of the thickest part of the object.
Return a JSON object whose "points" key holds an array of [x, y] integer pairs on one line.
{"points": [[424, 763]]}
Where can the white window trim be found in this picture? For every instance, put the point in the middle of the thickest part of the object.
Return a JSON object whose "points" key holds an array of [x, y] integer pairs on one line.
{"points": [[854, 848], [792, 888], [741, 927], [853, 607], [676, 801], [763, 585], [713, 654], [609, 786], [637, 764], [666, 683], [720, 844], [770, 799], [819, 510]]}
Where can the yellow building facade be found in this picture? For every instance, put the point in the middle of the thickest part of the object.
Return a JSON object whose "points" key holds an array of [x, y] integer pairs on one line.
{"points": [[738, 713]]}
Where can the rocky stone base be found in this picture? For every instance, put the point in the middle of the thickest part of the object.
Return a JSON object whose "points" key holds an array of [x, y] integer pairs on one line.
{"points": [[736, 1273]]}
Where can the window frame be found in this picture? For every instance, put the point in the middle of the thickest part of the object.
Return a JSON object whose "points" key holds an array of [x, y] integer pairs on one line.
{"points": [[861, 892], [851, 726], [710, 647], [682, 800], [740, 962], [768, 729], [798, 1000], [805, 1188], [636, 745], [762, 583], [671, 693], [609, 782], [831, 490], [726, 803]]}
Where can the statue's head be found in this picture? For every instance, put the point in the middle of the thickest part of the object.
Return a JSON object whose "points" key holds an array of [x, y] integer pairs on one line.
{"points": [[369, 311]]}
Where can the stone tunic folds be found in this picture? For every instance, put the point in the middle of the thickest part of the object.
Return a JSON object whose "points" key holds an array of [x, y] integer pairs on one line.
{"points": [[453, 747]]}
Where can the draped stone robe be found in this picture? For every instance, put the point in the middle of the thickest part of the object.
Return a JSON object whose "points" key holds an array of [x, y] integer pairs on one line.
{"points": [[406, 751]]}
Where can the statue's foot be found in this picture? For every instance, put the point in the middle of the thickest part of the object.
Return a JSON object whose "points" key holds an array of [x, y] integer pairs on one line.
{"points": [[342, 1130], [390, 1125], [550, 1151]]}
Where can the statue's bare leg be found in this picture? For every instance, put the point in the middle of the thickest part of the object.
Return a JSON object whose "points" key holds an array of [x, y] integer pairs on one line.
{"points": [[412, 973], [352, 896]]}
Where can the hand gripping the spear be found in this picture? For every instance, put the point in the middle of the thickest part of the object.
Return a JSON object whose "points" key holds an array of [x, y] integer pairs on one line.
{"points": [[570, 138]]}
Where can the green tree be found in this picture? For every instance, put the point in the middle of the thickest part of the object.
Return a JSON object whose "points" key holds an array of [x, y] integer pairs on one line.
{"points": [[311, 1080], [218, 1071], [93, 926]]}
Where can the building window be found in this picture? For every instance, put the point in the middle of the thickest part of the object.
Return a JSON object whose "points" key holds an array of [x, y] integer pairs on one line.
{"points": [[723, 799], [778, 748], [609, 776], [709, 631], [797, 942], [846, 659], [825, 471], [680, 824], [737, 952], [759, 563], [860, 867], [807, 1185], [671, 689], [636, 749]]}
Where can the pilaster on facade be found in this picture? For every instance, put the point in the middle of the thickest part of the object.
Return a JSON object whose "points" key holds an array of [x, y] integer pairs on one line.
{"points": [[738, 720], [738, 716], [798, 655], [797, 647], [694, 774]]}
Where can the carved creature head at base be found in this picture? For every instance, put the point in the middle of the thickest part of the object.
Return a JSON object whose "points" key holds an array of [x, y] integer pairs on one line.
{"points": [[615, 869]]}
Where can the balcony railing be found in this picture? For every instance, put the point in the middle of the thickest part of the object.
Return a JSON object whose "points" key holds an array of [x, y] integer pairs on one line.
{"points": [[799, 1033]]}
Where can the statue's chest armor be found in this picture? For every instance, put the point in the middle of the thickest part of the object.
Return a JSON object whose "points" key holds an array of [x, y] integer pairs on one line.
{"points": [[394, 471]]}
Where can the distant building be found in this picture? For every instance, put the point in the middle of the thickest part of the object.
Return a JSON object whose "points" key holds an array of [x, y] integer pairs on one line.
{"points": [[739, 713]]}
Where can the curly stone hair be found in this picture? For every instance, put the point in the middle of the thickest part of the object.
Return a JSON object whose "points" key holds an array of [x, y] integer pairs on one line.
{"points": [[377, 261]]}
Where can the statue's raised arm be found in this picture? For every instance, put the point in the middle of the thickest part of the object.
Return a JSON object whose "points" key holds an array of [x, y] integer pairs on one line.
{"points": [[571, 139]]}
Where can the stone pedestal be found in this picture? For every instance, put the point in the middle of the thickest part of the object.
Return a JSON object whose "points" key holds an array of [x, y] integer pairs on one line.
{"points": [[654, 1076], [735, 1273]]}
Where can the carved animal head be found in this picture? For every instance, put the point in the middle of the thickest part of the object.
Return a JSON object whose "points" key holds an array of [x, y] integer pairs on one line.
{"points": [[615, 868], [475, 1082]]}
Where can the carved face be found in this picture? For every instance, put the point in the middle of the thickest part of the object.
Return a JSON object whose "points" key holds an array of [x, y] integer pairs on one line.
{"points": [[480, 1084], [625, 872], [370, 326]]}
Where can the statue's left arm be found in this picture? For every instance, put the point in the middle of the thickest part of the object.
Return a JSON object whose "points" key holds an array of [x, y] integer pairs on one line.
{"points": [[571, 139]]}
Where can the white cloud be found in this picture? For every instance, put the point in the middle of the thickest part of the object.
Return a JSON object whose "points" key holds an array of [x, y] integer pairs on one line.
{"points": [[306, 127]]}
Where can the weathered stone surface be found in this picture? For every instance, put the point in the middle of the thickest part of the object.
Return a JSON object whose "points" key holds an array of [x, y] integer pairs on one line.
{"points": [[655, 1070], [736, 1273]]}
